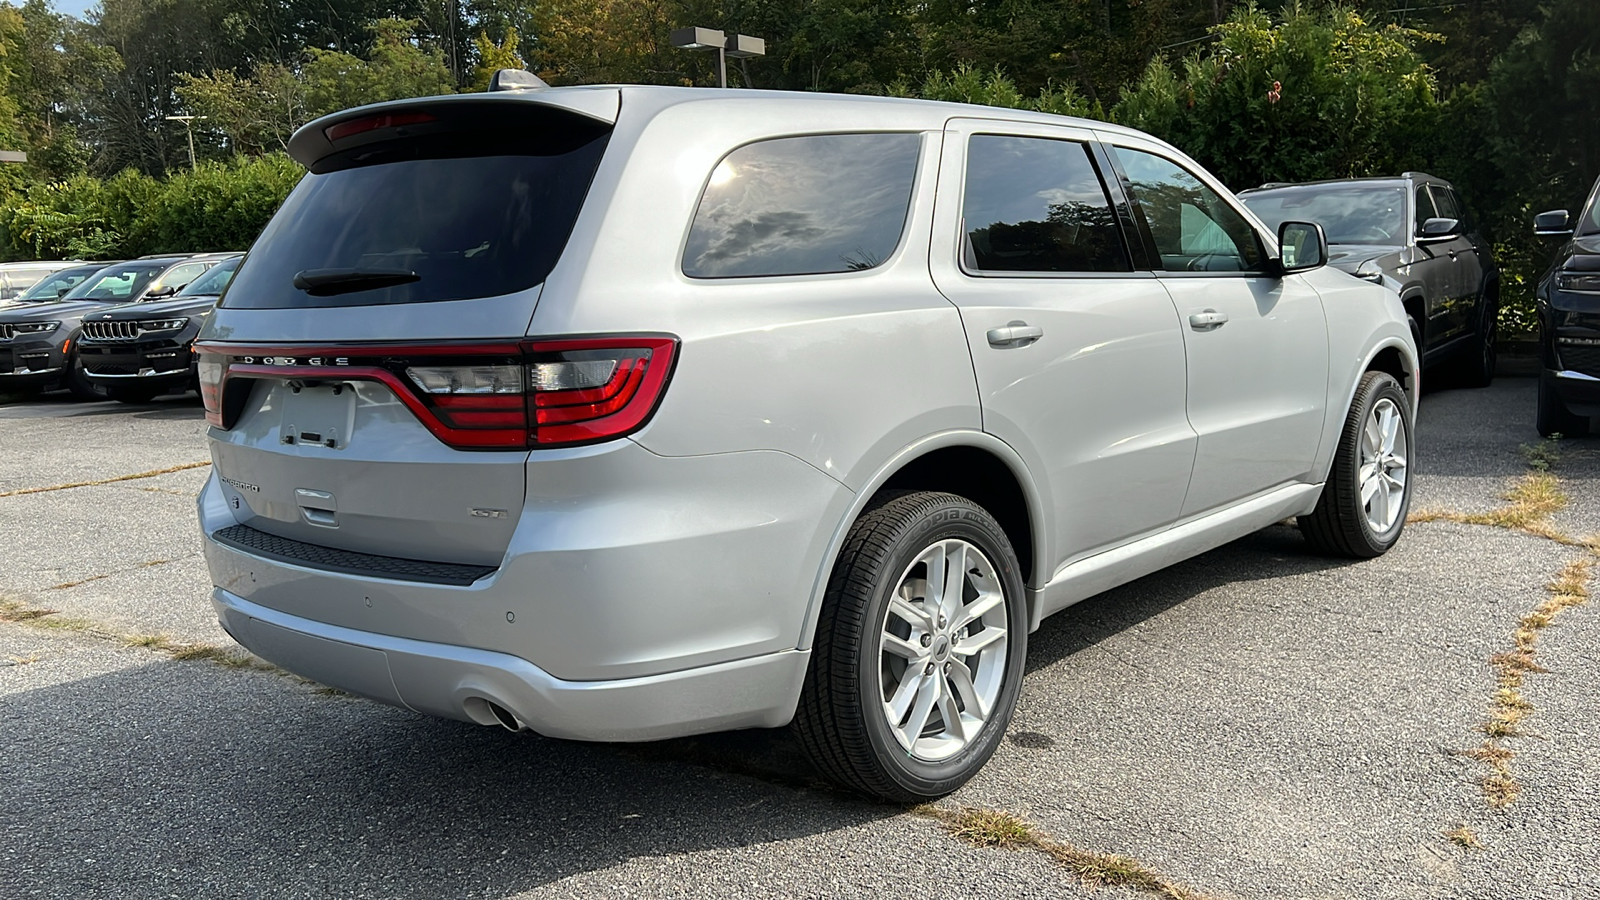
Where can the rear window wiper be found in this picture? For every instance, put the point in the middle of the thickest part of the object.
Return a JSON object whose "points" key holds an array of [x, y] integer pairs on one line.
{"points": [[327, 282]]}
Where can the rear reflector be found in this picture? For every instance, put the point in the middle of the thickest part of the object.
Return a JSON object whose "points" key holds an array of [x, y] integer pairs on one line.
{"points": [[500, 396]]}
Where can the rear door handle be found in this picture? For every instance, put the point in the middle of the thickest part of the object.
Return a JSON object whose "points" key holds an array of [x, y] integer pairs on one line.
{"points": [[1208, 320], [1015, 334]]}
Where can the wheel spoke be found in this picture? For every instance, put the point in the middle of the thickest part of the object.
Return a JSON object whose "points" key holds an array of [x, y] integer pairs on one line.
{"points": [[899, 646], [951, 712], [927, 695], [1389, 423], [961, 683], [1369, 486], [910, 613], [1380, 506], [973, 643], [976, 609], [935, 559], [1396, 461], [955, 580], [1372, 437], [904, 693]]}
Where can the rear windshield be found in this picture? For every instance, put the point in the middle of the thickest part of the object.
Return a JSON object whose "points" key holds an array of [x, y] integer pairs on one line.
{"points": [[447, 223], [1349, 214], [119, 283], [55, 285], [213, 281]]}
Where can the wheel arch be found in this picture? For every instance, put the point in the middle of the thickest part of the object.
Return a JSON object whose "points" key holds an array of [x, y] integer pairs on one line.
{"points": [[966, 463]]}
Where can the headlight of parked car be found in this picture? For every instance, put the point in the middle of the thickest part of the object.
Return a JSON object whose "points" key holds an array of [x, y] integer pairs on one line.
{"points": [[36, 327], [1371, 271], [1578, 282], [162, 324]]}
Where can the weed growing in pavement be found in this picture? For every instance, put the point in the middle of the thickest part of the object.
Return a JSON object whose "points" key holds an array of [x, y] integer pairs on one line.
{"points": [[72, 584], [1542, 456], [997, 828], [1465, 837], [17, 612]]}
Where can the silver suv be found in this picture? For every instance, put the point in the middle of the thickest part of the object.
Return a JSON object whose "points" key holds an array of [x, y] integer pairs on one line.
{"points": [[622, 413]]}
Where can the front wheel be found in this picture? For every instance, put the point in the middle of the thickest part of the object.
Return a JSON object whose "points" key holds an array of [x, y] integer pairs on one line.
{"points": [[1480, 365], [919, 649], [1363, 506], [1553, 418], [79, 384]]}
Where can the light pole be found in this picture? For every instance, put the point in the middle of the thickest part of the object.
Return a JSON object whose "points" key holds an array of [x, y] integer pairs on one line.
{"points": [[738, 46], [189, 131]]}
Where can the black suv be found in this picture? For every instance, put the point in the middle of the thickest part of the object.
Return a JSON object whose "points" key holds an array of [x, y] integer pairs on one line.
{"points": [[1414, 234], [141, 350], [38, 341], [1569, 321]]}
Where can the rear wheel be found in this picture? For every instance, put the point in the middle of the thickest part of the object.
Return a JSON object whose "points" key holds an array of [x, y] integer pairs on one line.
{"points": [[1480, 364], [919, 649], [1363, 506], [79, 384], [132, 393], [1554, 418]]}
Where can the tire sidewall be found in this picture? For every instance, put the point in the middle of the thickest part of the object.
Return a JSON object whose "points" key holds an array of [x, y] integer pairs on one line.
{"points": [[953, 519], [1380, 386]]}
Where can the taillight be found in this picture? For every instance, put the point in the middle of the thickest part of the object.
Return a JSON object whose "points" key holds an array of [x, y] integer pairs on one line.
{"points": [[471, 396]]}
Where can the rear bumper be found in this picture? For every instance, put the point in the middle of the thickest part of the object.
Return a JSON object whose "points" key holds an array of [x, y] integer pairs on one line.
{"points": [[459, 682], [1579, 392]]}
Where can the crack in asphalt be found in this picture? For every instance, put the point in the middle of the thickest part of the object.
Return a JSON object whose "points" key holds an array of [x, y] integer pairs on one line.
{"points": [[78, 484]]}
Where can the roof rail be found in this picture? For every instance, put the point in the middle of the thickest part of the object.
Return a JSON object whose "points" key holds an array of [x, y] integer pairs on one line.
{"points": [[515, 80]]}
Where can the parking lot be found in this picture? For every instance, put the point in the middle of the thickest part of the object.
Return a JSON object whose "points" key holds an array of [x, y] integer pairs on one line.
{"points": [[1254, 723]]}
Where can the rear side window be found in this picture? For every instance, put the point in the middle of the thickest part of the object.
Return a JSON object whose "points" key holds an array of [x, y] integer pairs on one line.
{"points": [[479, 214], [58, 284], [804, 206], [1037, 205]]}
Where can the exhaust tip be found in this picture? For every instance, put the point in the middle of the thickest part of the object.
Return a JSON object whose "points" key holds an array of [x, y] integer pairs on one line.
{"points": [[502, 715]]}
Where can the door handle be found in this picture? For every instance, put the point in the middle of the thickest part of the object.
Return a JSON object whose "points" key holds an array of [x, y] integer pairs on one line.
{"points": [[1208, 320], [1015, 334]]}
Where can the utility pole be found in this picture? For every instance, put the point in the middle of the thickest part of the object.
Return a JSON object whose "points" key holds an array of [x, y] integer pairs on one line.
{"points": [[189, 130]]}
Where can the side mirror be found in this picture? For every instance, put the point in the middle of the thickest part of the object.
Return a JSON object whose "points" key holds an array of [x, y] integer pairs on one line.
{"points": [[161, 292], [1302, 246], [1438, 229], [1555, 223]]}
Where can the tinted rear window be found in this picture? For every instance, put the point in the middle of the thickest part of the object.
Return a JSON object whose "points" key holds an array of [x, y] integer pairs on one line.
{"points": [[213, 281], [466, 223], [53, 287], [803, 206]]}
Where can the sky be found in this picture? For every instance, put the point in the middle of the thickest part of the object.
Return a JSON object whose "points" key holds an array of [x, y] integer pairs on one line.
{"points": [[74, 7]]}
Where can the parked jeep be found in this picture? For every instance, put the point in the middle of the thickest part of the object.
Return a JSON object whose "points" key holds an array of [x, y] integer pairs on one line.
{"points": [[1414, 234], [623, 413], [1568, 299], [144, 349], [38, 341]]}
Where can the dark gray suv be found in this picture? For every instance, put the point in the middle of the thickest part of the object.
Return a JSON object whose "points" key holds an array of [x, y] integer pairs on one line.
{"points": [[1414, 234]]}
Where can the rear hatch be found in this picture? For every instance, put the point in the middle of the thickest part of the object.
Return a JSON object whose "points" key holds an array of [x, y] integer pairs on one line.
{"points": [[366, 370]]}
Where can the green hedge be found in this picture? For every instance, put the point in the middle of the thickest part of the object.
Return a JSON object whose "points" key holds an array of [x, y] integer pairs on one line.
{"points": [[219, 206]]}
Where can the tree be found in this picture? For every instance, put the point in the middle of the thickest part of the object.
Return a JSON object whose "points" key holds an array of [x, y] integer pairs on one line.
{"points": [[493, 57], [1315, 94]]}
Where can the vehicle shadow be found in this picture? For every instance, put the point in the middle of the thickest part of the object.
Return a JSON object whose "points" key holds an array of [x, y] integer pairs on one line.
{"points": [[154, 780], [61, 405]]}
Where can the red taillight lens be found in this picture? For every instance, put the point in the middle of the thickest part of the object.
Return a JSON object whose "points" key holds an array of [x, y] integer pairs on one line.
{"points": [[484, 397], [373, 123]]}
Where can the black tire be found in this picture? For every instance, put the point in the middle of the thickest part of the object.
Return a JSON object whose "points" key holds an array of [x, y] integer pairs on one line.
{"points": [[1553, 417], [79, 384], [1478, 367], [840, 720], [132, 393], [1339, 525]]}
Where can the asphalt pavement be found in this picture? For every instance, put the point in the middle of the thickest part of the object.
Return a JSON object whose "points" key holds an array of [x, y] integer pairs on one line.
{"points": [[1257, 722]]}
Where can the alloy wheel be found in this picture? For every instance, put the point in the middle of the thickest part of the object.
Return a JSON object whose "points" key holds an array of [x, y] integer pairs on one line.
{"points": [[1383, 466], [942, 650]]}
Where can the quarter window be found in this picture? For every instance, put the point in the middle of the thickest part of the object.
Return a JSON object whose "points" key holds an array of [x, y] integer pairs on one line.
{"points": [[1037, 205], [804, 206], [1194, 229]]}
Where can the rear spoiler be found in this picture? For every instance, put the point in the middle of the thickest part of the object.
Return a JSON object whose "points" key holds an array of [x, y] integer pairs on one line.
{"points": [[377, 123]]}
